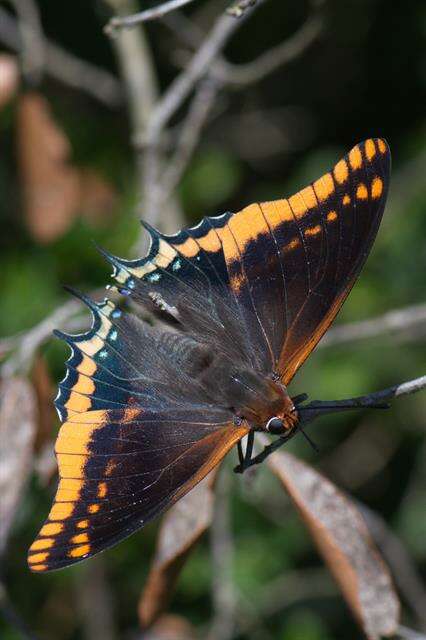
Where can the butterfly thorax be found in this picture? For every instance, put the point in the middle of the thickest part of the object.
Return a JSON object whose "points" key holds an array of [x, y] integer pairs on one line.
{"points": [[250, 395]]}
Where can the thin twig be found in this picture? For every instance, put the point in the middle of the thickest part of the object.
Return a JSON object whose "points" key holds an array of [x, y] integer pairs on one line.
{"points": [[138, 70], [396, 320], [32, 39], [189, 135], [65, 67], [144, 16], [238, 76], [27, 344], [222, 552], [198, 66], [241, 75]]}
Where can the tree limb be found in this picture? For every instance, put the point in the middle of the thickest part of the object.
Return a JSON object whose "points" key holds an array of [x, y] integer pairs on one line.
{"points": [[395, 320], [65, 67], [144, 16], [198, 66]]}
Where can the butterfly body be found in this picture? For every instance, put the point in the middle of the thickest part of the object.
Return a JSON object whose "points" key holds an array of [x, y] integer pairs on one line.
{"points": [[148, 411]]}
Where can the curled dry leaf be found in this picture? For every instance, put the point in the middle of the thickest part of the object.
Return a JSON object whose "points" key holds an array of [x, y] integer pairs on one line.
{"points": [[50, 185], [17, 433], [342, 538], [54, 191], [9, 78], [180, 530]]}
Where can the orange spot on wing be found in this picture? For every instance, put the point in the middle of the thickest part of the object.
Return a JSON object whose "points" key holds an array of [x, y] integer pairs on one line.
{"points": [[324, 187], [71, 465], [93, 508], [341, 171], [293, 244], [331, 216], [229, 245], [38, 567], [376, 188], [313, 231], [79, 538], [210, 242], [370, 149], [247, 225], [51, 529], [276, 212], [346, 199], [102, 490], [189, 248], [82, 524], [68, 490], [361, 192], [302, 201], [42, 543], [79, 552], [61, 510], [355, 158], [382, 146], [87, 366], [78, 403], [84, 385], [38, 557]]}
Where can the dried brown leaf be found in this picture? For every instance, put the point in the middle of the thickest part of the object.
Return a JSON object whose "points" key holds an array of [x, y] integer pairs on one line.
{"points": [[17, 433], [180, 531], [54, 191], [51, 186], [343, 540], [9, 78]]}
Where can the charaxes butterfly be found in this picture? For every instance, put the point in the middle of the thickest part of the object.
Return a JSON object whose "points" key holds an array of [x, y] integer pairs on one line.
{"points": [[148, 410]]}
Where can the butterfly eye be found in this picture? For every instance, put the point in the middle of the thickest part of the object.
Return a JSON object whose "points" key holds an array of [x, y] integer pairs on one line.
{"points": [[275, 426]]}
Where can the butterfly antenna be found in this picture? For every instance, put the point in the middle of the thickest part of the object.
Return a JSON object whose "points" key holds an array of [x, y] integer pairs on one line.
{"points": [[309, 440]]}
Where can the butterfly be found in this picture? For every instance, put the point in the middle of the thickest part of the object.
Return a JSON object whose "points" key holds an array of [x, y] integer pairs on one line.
{"points": [[148, 409]]}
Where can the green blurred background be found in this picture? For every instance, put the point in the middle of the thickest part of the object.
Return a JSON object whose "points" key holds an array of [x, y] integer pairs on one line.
{"points": [[364, 77]]}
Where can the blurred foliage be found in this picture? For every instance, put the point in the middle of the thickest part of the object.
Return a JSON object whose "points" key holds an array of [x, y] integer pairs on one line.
{"points": [[366, 77]]}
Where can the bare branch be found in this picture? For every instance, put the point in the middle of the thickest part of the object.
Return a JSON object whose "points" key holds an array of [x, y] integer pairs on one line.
{"points": [[238, 76], [32, 39], [396, 320], [65, 67], [191, 130], [27, 343], [139, 74], [198, 66], [222, 551], [144, 16], [241, 75]]}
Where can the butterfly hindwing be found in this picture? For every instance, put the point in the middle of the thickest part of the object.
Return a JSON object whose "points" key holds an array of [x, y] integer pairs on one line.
{"points": [[119, 469]]}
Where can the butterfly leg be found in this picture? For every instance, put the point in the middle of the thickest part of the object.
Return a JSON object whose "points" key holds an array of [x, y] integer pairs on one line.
{"points": [[245, 459]]}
